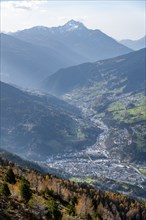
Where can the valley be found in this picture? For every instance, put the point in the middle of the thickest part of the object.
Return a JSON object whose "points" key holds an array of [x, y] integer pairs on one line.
{"points": [[73, 110], [98, 163], [92, 132], [85, 122], [106, 100]]}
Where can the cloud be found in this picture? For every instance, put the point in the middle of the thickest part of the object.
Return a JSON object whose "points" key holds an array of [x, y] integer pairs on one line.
{"points": [[14, 0], [23, 7], [119, 19], [22, 4]]}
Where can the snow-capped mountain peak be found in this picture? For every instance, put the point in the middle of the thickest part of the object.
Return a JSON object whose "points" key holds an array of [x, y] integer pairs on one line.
{"points": [[73, 25]]}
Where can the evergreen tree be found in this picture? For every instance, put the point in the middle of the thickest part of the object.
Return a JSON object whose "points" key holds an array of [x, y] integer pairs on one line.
{"points": [[53, 209], [5, 189], [10, 176], [71, 207], [25, 191]]}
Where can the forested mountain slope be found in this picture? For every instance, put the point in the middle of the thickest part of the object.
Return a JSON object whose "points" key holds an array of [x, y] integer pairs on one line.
{"points": [[27, 194], [37, 125]]}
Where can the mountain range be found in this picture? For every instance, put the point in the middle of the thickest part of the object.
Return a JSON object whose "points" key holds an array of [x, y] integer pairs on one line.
{"points": [[90, 44], [135, 44], [28, 56]]}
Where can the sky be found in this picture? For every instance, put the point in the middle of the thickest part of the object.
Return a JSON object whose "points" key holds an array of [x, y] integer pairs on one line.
{"points": [[119, 19]]}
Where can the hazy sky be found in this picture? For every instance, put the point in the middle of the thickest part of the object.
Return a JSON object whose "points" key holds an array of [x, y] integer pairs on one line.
{"points": [[119, 19]]}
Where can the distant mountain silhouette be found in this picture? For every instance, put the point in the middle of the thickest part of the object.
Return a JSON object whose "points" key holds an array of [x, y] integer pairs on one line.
{"points": [[135, 44], [26, 64], [90, 44]]}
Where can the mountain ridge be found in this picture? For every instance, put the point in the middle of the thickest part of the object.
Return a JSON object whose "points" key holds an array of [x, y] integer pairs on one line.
{"points": [[26, 64], [135, 44], [73, 36], [37, 126], [88, 70]]}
